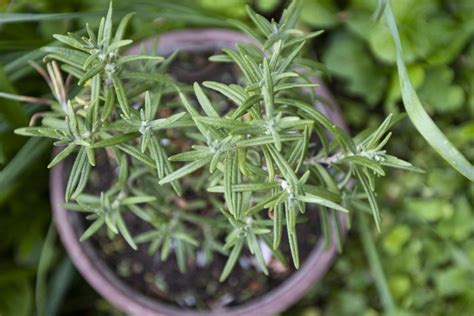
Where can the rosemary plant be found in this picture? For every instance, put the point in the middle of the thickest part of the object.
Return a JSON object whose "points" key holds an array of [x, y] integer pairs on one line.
{"points": [[256, 164]]}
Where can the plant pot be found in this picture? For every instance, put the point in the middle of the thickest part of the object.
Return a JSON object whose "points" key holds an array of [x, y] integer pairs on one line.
{"points": [[87, 260]]}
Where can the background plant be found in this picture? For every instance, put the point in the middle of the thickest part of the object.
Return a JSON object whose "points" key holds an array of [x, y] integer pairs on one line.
{"points": [[409, 282]]}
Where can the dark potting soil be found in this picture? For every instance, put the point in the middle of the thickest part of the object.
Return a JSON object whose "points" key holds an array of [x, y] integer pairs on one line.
{"points": [[199, 287]]}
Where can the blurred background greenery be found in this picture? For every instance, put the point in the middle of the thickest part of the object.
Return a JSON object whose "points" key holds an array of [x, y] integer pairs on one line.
{"points": [[427, 242]]}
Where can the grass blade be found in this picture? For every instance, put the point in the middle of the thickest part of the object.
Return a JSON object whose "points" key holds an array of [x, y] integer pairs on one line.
{"points": [[417, 114]]}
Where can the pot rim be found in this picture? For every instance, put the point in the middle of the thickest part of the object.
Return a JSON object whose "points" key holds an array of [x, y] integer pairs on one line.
{"points": [[109, 286]]}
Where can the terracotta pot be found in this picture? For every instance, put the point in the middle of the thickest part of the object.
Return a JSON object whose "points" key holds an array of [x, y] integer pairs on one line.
{"points": [[103, 279]]}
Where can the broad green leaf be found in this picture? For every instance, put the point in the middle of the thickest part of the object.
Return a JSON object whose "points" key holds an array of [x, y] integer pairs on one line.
{"points": [[372, 84], [319, 14], [440, 91]]}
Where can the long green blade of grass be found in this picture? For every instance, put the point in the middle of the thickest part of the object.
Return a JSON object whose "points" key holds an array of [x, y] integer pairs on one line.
{"points": [[23, 159], [12, 111], [61, 280], [417, 114], [33, 17], [44, 264], [376, 266]]}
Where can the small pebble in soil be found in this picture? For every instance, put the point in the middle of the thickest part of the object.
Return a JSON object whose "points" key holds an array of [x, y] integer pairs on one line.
{"points": [[201, 259], [245, 262], [189, 300], [224, 300], [266, 251], [277, 267], [137, 267], [212, 287]]}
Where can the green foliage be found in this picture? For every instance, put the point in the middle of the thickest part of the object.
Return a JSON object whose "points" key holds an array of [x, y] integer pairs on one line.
{"points": [[423, 123], [420, 41], [411, 199], [425, 217], [349, 67], [256, 151]]}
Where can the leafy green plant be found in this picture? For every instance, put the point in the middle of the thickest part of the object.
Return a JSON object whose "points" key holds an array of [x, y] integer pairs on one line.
{"points": [[264, 158], [454, 28]]}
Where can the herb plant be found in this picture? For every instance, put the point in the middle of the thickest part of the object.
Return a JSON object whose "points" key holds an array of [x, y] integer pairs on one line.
{"points": [[257, 163]]}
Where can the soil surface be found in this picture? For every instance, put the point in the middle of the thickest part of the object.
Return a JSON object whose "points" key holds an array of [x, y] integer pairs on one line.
{"points": [[199, 287]]}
